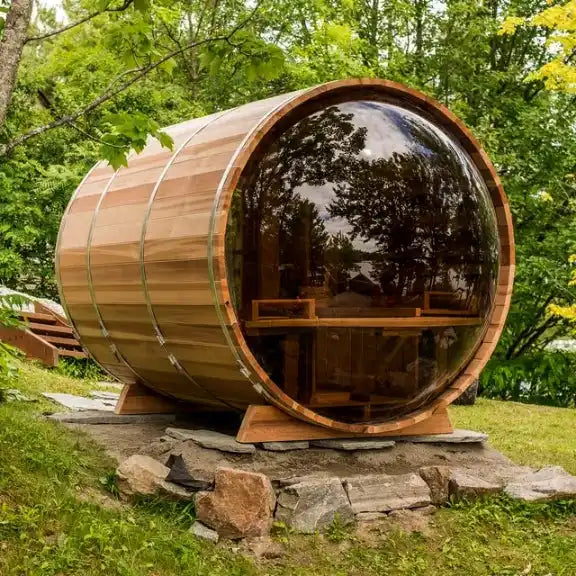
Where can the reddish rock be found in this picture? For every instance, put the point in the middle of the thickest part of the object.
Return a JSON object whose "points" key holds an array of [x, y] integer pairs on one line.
{"points": [[241, 505]]}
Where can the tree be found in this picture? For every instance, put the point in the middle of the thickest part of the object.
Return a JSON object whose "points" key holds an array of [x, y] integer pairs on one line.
{"points": [[11, 46], [125, 131], [559, 73]]}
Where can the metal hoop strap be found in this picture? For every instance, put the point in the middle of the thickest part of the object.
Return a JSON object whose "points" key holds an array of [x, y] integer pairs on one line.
{"points": [[104, 330], [159, 334]]}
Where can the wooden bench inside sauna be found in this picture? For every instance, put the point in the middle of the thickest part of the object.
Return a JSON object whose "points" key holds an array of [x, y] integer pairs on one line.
{"points": [[332, 262]]}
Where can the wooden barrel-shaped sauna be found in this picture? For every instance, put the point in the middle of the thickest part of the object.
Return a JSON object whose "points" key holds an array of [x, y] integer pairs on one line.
{"points": [[344, 253]]}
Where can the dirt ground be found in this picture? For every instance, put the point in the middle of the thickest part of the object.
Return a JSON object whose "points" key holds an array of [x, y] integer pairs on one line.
{"points": [[124, 440]]}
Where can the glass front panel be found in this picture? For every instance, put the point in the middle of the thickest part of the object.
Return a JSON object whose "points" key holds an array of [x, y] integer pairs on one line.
{"points": [[362, 255]]}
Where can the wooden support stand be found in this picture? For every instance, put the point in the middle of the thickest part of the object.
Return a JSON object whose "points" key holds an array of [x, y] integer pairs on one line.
{"points": [[269, 424], [137, 399]]}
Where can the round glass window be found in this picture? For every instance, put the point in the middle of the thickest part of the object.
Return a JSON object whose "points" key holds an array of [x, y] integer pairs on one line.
{"points": [[362, 254]]}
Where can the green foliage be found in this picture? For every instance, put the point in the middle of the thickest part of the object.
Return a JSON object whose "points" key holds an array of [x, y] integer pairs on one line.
{"points": [[81, 368], [337, 531], [57, 516], [110, 484], [453, 51], [126, 131], [546, 377]]}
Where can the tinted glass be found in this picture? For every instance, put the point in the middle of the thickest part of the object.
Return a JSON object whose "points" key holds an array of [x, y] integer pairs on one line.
{"points": [[362, 257]]}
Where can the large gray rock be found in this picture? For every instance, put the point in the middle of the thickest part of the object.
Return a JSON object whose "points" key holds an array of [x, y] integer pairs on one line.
{"points": [[285, 446], [468, 397], [241, 505], [142, 475], [212, 440], [312, 506], [204, 533], [353, 444], [105, 417], [467, 485], [551, 483], [456, 437], [383, 493]]}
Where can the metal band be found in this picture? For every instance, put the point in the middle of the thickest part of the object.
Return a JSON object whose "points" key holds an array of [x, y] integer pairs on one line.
{"points": [[58, 245], [103, 328], [75, 330], [159, 334], [256, 384]]}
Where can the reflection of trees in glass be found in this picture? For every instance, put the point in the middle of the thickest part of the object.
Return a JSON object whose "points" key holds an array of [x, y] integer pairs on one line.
{"points": [[282, 229], [331, 212], [341, 261], [422, 212], [426, 213]]}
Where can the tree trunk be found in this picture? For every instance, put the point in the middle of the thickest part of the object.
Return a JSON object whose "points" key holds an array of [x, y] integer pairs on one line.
{"points": [[11, 46]]}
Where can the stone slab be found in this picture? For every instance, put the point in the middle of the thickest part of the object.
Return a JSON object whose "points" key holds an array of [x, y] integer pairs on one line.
{"points": [[285, 446], [196, 477], [79, 403], [384, 493], [105, 395], [106, 417], [438, 480], [550, 483], [456, 437], [466, 484], [211, 440], [353, 444], [308, 507], [370, 516]]}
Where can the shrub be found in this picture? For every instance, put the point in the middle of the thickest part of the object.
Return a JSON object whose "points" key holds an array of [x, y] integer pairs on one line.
{"points": [[546, 377]]}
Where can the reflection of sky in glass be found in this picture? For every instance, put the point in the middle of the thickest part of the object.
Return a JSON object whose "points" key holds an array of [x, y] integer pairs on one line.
{"points": [[388, 133]]}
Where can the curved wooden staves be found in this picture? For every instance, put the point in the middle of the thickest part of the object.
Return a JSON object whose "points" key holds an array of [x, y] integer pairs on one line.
{"points": [[141, 259]]}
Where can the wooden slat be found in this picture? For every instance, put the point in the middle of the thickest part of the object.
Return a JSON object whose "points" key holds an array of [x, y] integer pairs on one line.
{"points": [[394, 323], [37, 316], [31, 344], [136, 399], [61, 340], [72, 353], [49, 328]]}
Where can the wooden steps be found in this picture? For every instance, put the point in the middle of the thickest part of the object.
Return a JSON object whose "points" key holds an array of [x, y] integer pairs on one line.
{"points": [[44, 335]]}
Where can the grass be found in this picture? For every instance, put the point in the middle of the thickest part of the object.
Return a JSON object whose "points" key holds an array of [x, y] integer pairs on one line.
{"points": [[33, 380], [531, 435], [56, 519]]}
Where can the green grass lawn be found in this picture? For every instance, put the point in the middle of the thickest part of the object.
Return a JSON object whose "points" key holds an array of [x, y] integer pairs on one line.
{"points": [[528, 434], [56, 519]]}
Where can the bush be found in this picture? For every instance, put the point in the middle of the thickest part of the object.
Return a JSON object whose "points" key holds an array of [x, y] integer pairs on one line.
{"points": [[547, 377]]}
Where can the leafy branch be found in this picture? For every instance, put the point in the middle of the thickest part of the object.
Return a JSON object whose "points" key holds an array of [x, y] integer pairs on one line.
{"points": [[125, 6], [110, 93]]}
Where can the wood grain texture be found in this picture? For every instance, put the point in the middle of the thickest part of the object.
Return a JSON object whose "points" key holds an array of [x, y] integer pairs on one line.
{"points": [[141, 269], [269, 424]]}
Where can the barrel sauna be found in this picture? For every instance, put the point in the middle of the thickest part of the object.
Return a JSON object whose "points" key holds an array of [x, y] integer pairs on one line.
{"points": [[343, 253]]}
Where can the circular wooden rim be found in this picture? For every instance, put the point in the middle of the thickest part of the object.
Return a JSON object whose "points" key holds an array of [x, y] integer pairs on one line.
{"points": [[469, 370]]}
